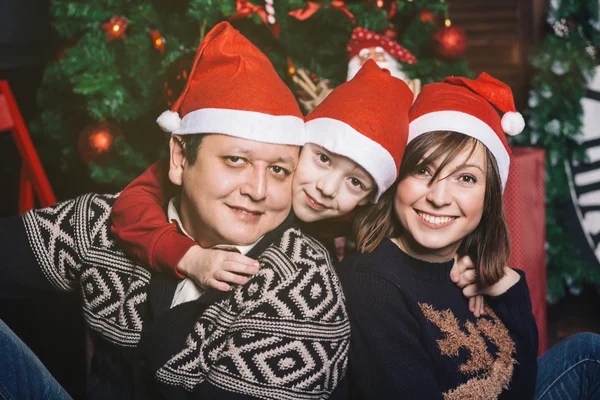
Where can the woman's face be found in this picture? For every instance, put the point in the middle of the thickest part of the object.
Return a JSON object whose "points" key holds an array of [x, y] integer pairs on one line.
{"points": [[437, 215]]}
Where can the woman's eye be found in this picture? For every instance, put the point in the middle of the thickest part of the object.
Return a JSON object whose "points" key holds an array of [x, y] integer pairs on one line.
{"points": [[468, 179], [423, 171]]}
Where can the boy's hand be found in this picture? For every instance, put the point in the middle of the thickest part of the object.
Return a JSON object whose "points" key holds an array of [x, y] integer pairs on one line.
{"points": [[510, 278], [217, 268], [463, 274]]}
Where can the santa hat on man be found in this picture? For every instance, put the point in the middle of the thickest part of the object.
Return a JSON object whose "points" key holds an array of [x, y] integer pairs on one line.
{"points": [[366, 120], [234, 90], [393, 54], [470, 107]]}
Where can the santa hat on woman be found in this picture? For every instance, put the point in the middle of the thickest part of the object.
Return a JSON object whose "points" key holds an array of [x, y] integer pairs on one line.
{"points": [[234, 90], [366, 120], [470, 107]]}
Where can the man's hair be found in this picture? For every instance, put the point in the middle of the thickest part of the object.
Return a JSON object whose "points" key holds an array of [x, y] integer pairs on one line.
{"points": [[191, 145], [488, 245]]}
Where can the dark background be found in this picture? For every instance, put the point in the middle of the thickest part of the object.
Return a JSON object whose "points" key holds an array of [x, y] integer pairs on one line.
{"points": [[50, 324]]}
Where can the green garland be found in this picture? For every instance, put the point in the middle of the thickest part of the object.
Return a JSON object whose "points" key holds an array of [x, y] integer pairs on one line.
{"points": [[564, 61], [121, 82]]}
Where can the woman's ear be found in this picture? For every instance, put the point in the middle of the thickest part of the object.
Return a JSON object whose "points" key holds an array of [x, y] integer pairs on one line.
{"points": [[177, 160]]}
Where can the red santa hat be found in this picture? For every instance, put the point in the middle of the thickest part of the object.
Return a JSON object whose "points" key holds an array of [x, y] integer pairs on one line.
{"points": [[366, 120], [469, 107], [363, 38], [234, 90]]}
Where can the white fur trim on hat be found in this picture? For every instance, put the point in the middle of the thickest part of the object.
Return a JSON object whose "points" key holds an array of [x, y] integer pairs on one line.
{"points": [[340, 138], [512, 123], [252, 125], [169, 121], [466, 124]]}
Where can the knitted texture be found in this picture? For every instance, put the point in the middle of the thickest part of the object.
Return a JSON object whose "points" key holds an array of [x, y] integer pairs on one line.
{"points": [[414, 337], [283, 335]]}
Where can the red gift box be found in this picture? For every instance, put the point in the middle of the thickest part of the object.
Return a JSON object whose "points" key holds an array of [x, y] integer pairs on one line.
{"points": [[524, 204]]}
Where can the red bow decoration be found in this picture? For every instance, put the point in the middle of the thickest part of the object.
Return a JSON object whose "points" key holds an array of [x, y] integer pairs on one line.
{"points": [[245, 9], [312, 7]]}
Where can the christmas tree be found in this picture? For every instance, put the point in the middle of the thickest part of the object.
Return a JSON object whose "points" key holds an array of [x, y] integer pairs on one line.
{"points": [[564, 62], [124, 62]]}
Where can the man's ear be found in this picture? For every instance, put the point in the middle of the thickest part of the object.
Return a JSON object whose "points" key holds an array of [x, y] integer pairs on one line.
{"points": [[177, 160]]}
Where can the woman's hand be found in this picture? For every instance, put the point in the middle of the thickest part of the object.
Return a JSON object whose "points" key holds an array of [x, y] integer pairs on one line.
{"points": [[217, 268]]}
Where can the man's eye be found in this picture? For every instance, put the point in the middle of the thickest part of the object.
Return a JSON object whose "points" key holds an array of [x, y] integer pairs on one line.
{"points": [[234, 160], [279, 170]]}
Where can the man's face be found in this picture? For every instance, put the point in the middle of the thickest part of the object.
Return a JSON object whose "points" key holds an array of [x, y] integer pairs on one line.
{"points": [[236, 191]]}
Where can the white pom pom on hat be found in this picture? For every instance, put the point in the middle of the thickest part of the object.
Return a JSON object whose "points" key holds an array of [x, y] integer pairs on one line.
{"points": [[512, 123], [169, 121]]}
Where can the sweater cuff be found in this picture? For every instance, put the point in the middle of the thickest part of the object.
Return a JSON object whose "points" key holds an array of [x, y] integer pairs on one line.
{"points": [[169, 249]]}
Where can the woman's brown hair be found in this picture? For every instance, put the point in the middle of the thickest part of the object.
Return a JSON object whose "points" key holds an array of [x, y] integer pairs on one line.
{"points": [[487, 245]]}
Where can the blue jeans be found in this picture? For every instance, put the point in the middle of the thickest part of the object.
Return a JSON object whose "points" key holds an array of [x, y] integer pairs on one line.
{"points": [[22, 375], [570, 370]]}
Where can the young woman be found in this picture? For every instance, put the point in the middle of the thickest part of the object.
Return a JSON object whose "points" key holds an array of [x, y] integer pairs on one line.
{"points": [[413, 335]]}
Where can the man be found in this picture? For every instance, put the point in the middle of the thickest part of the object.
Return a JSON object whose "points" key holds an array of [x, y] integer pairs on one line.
{"points": [[282, 335]]}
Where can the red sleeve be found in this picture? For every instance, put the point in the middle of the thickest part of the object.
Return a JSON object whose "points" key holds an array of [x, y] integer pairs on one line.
{"points": [[140, 224]]}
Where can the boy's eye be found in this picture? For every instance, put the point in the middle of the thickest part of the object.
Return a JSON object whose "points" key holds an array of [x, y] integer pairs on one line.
{"points": [[323, 158], [356, 182]]}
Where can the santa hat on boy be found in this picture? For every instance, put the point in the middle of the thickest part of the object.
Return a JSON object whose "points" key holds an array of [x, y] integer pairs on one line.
{"points": [[366, 120], [469, 107], [234, 90]]}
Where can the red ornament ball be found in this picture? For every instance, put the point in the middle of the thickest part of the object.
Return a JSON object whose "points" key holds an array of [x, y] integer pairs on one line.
{"points": [[390, 33], [96, 142], [450, 42], [426, 16]]}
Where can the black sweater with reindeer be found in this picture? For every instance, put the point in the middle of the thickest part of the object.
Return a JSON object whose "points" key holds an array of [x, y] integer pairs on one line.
{"points": [[413, 336]]}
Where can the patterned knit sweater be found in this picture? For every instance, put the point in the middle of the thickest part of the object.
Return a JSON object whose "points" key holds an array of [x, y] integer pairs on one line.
{"points": [[413, 336], [283, 335]]}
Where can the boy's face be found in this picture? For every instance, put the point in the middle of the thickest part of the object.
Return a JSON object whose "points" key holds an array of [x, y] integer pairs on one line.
{"points": [[328, 185], [236, 191]]}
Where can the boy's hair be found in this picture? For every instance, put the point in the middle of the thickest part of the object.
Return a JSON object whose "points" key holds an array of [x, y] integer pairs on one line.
{"points": [[487, 245], [191, 145]]}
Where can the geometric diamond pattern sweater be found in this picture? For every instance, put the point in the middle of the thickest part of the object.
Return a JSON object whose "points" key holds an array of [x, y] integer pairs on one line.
{"points": [[284, 334], [413, 336]]}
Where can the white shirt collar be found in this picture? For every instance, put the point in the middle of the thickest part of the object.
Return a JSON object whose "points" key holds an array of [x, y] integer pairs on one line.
{"points": [[187, 290]]}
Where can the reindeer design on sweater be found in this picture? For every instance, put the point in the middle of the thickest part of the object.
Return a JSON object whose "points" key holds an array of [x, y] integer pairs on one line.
{"points": [[497, 372]]}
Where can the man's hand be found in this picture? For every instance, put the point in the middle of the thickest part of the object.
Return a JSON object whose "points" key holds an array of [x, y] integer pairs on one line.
{"points": [[463, 274], [217, 268]]}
